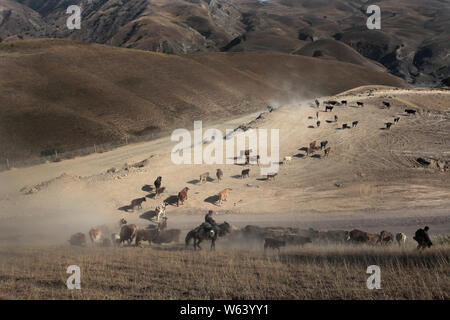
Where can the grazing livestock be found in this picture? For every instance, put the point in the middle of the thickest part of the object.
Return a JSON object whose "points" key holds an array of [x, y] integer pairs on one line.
{"points": [[219, 175], [137, 203], [287, 159], [344, 102], [157, 182], [328, 108], [257, 159], [203, 177], [388, 125], [245, 173], [223, 195], [318, 124], [312, 144], [345, 126], [159, 191], [317, 115], [386, 237], [335, 118], [358, 236], [182, 195], [360, 104], [271, 176], [354, 123], [128, 233], [387, 104], [396, 120], [95, 235], [78, 239], [401, 238], [332, 102], [146, 235], [323, 144], [410, 111], [317, 103], [326, 152], [273, 244]]}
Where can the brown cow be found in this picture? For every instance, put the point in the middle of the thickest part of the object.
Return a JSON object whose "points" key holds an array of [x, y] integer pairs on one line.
{"points": [[358, 236], [312, 144], [318, 124], [182, 195], [146, 235], [386, 237], [223, 195], [326, 151]]}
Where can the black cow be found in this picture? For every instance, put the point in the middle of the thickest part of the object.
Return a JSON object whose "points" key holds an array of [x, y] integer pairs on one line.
{"points": [[245, 173], [387, 104], [344, 102], [328, 108], [158, 182], [388, 125], [410, 111], [396, 120], [355, 123], [323, 144], [360, 104]]}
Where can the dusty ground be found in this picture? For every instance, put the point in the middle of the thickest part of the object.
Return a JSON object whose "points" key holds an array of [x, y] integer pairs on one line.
{"points": [[381, 185]]}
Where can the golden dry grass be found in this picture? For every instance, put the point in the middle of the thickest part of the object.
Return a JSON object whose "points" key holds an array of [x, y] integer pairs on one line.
{"points": [[315, 272]]}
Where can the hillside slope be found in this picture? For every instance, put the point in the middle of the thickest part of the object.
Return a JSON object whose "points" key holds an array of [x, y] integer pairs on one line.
{"points": [[63, 95]]}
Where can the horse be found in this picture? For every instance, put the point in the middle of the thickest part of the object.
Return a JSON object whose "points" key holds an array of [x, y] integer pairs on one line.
{"points": [[200, 233]]}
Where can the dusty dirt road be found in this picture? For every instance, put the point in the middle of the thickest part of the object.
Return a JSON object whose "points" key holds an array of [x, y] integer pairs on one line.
{"points": [[370, 180]]}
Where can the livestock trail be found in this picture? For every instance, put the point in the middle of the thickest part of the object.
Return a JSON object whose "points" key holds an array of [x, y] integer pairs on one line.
{"points": [[370, 174]]}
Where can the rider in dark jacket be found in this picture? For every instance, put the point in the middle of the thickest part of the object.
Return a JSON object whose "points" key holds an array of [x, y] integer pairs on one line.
{"points": [[422, 238], [210, 222]]}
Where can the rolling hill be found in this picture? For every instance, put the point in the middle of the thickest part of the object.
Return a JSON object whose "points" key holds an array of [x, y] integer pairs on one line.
{"points": [[65, 95]]}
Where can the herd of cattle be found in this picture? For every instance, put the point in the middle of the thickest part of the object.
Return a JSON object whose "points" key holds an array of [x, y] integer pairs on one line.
{"points": [[271, 237], [277, 237]]}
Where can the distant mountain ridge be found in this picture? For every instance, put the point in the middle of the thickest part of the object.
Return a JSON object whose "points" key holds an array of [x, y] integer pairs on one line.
{"points": [[413, 42]]}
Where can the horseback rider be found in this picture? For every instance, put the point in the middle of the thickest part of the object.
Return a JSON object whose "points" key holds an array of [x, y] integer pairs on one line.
{"points": [[422, 238], [210, 223]]}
